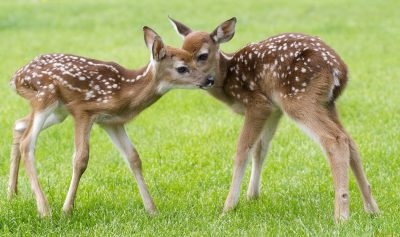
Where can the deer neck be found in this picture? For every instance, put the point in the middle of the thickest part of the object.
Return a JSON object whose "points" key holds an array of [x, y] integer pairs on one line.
{"points": [[141, 88], [220, 78]]}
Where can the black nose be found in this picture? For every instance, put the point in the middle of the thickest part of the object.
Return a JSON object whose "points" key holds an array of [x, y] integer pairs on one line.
{"points": [[210, 80]]}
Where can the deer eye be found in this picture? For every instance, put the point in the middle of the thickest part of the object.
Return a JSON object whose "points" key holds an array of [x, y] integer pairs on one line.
{"points": [[202, 57], [182, 70]]}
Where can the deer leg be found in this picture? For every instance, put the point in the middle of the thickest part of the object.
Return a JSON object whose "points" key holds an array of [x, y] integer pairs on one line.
{"points": [[83, 126], [259, 154], [320, 126], [250, 134], [27, 149], [19, 129], [370, 205], [338, 153], [53, 119], [121, 140]]}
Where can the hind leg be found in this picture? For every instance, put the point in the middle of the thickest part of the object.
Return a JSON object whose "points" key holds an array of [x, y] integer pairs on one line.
{"points": [[19, 128], [370, 205], [27, 149], [335, 143]]}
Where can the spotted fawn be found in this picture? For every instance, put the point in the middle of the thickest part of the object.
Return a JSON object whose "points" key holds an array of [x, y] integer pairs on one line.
{"points": [[291, 73], [93, 91]]}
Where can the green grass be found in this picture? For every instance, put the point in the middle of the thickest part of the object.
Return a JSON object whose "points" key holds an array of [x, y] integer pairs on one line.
{"points": [[187, 139]]}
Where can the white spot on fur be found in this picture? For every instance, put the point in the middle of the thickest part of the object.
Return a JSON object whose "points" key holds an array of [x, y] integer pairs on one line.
{"points": [[336, 74]]}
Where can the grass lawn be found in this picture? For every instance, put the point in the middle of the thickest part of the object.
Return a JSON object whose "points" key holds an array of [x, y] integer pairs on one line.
{"points": [[187, 139]]}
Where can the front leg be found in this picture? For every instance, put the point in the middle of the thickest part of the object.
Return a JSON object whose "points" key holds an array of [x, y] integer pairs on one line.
{"points": [[260, 153], [253, 125], [121, 140], [83, 125]]}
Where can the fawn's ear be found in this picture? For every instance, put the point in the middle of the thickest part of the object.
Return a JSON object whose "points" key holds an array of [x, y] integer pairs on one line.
{"points": [[180, 28], [158, 49], [224, 32], [154, 43]]}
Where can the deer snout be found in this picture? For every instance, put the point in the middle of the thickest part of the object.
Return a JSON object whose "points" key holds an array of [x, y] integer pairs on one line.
{"points": [[208, 83]]}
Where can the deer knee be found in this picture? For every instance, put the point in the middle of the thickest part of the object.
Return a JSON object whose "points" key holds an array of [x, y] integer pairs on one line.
{"points": [[137, 163], [134, 161], [338, 143], [20, 126], [343, 139], [81, 162]]}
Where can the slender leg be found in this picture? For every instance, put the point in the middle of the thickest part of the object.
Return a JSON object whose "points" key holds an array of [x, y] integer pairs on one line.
{"points": [[260, 152], [339, 155], [19, 129], [335, 143], [121, 140], [83, 125], [370, 205], [250, 134], [27, 149]]}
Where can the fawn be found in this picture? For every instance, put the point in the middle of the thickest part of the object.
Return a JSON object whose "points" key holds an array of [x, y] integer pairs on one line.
{"points": [[291, 73], [99, 92]]}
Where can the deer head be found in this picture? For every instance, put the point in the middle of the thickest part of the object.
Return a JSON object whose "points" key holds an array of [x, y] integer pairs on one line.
{"points": [[205, 46], [174, 67]]}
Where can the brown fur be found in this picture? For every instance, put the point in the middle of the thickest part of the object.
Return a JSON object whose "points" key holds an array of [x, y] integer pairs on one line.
{"points": [[290, 73], [94, 91]]}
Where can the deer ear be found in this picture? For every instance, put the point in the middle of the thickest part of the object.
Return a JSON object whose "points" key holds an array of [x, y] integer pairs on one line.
{"points": [[154, 43], [224, 32], [158, 50], [149, 35], [180, 28]]}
